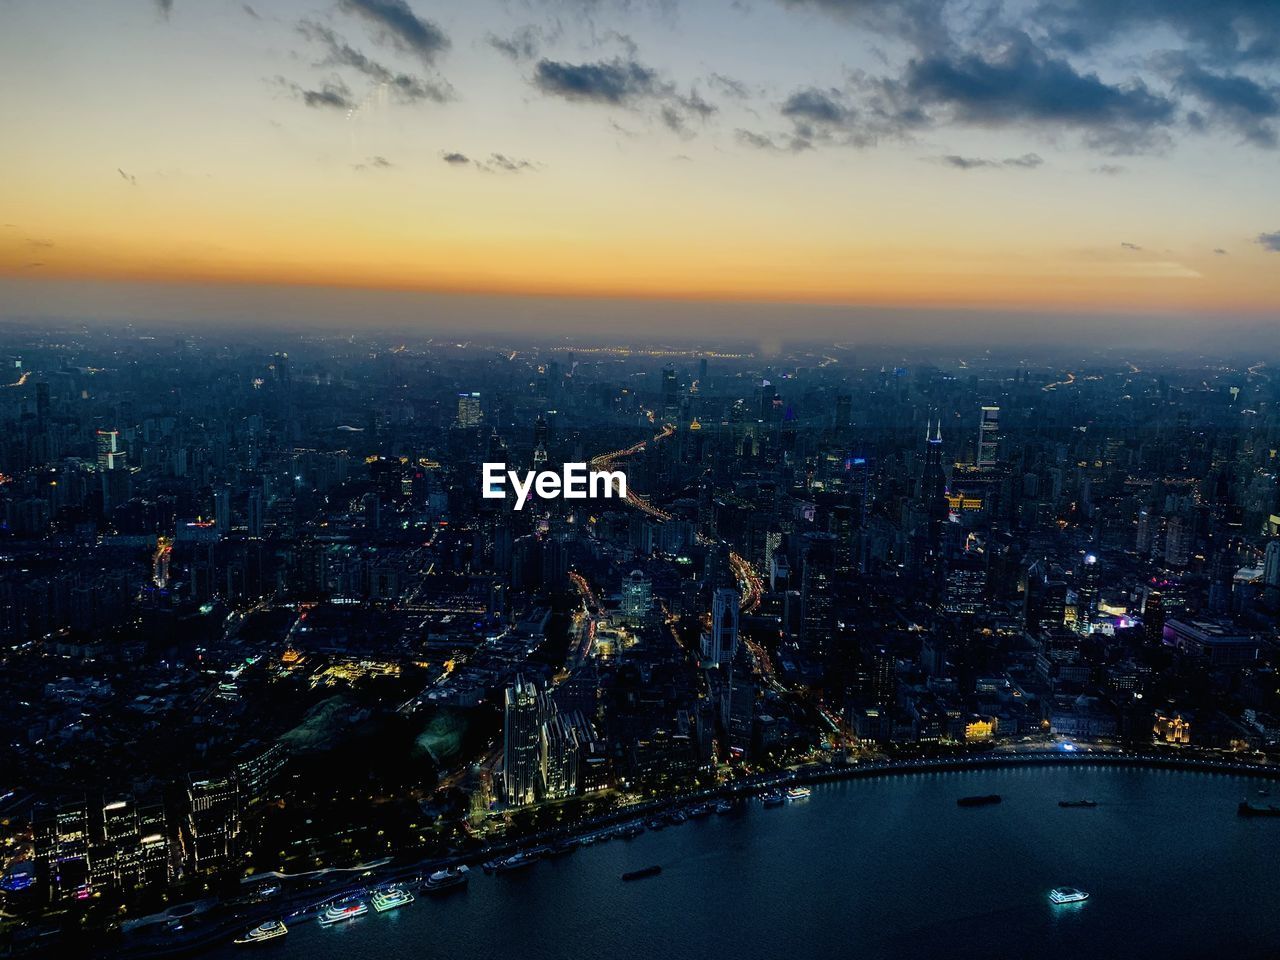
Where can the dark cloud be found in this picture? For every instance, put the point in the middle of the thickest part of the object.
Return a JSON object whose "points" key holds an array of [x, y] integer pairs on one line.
{"points": [[815, 106], [622, 82], [333, 94], [521, 46], [616, 82], [374, 163], [1222, 31], [1129, 246], [496, 163], [250, 11], [1233, 100], [1269, 241], [127, 177], [1028, 161], [165, 7], [761, 141], [405, 86], [1219, 251], [402, 26], [1021, 84]]}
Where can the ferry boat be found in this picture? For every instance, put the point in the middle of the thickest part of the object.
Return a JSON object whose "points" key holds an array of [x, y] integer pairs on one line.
{"points": [[446, 879], [262, 933], [773, 798], [1250, 809], [390, 898], [642, 873], [517, 861], [343, 911], [1067, 895], [799, 793], [1077, 803], [978, 801]]}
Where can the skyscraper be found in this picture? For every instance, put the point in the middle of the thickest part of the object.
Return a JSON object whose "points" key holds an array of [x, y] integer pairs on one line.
{"points": [[988, 436], [110, 451], [521, 742], [469, 412], [720, 644]]}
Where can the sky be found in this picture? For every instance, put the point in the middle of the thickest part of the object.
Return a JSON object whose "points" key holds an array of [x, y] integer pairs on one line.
{"points": [[1037, 159]]}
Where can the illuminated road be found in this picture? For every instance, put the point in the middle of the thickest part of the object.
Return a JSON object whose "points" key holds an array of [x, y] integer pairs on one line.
{"points": [[752, 586]]}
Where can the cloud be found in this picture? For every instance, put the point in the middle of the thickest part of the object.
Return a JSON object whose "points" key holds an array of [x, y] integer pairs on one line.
{"points": [[1220, 252], [617, 82], [622, 82], [333, 94], [1021, 84], [762, 141], [404, 28], [373, 163], [127, 177], [404, 86], [521, 46], [1028, 161], [1269, 241], [1221, 31], [729, 86], [165, 7], [1129, 246], [1233, 100], [250, 11], [496, 163], [1109, 169]]}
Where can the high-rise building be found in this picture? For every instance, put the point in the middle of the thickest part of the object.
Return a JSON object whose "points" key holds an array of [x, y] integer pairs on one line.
{"points": [[213, 821], [670, 396], [222, 510], [637, 597], [988, 436], [521, 742], [110, 450], [469, 412], [720, 643]]}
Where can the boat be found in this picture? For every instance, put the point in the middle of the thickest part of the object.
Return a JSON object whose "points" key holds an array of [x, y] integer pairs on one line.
{"points": [[562, 847], [773, 798], [1077, 803], [724, 806], [1067, 895], [978, 801], [343, 911], [701, 810], [676, 818], [446, 879], [641, 874], [390, 898], [799, 793], [657, 823], [631, 832], [516, 861], [262, 933], [1249, 809]]}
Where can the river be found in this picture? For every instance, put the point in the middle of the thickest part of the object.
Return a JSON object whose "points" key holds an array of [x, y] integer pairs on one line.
{"points": [[880, 868]]}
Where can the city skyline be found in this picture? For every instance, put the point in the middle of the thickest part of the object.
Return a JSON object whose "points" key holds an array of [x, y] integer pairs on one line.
{"points": [[1059, 159]]}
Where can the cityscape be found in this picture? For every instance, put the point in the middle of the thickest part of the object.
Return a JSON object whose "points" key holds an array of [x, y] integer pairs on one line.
{"points": [[798, 477]]}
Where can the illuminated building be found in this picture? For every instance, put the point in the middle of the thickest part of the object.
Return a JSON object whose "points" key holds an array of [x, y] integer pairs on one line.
{"points": [[637, 597], [469, 412], [1172, 729], [213, 822], [980, 728], [720, 644], [110, 452], [521, 742], [988, 437]]}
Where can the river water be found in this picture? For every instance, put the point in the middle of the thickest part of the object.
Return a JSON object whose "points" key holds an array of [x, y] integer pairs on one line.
{"points": [[880, 868]]}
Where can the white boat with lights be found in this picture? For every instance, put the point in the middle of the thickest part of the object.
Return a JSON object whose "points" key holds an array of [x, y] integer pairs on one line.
{"points": [[390, 898], [262, 933], [1067, 895], [447, 878], [799, 793], [343, 911]]}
